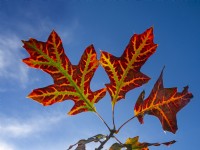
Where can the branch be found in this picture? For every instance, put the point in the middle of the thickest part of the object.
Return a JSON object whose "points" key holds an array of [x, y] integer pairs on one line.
{"points": [[105, 141], [117, 140], [125, 123]]}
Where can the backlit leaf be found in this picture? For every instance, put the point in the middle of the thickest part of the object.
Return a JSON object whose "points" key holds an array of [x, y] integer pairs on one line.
{"points": [[82, 143], [124, 72], [116, 146], [134, 144], [70, 81], [163, 103]]}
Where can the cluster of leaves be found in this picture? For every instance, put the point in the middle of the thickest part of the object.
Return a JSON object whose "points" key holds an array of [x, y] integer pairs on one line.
{"points": [[72, 82]]}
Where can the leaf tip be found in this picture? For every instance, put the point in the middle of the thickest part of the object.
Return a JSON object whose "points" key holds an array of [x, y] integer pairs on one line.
{"points": [[152, 27], [29, 95], [91, 45], [185, 90], [69, 114], [53, 31], [102, 52], [24, 43], [163, 69], [53, 34], [160, 79], [169, 143]]}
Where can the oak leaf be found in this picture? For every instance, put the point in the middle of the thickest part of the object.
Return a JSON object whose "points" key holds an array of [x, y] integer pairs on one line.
{"points": [[163, 103], [134, 144], [70, 81], [124, 72], [116, 146]]}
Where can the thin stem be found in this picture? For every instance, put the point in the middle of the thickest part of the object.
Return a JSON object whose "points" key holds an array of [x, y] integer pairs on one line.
{"points": [[113, 116], [102, 120], [125, 123], [117, 140]]}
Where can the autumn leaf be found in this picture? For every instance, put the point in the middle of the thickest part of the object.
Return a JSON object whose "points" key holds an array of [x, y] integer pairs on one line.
{"points": [[134, 144], [163, 103], [124, 72], [70, 81], [81, 144], [116, 146]]}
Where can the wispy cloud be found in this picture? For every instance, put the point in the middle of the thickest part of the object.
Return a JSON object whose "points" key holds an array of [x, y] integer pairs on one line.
{"points": [[11, 127], [14, 130], [11, 51], [11, 67], [5, 146]]}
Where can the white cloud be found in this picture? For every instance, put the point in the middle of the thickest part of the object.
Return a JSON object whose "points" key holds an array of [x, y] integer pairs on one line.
{"points": [[16, 132], [22, 128], [11, 66], [6, 146]]}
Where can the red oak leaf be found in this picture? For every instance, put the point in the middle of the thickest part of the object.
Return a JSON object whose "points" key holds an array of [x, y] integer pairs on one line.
{"points": [[124, 72], [163, 103], [70, 81]]}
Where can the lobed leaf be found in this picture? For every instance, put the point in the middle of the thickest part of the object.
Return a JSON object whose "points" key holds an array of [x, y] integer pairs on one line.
{"points": [[116, 146], [81, 144], [134, 144], [163, 103], [124, 72], [70, 81]]}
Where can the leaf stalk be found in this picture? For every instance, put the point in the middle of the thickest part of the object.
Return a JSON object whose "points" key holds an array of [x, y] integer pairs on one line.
{"points": [[101, 118], [113, 116], [125, 123]]}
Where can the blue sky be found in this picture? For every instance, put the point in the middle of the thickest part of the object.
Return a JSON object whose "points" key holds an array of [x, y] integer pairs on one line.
{"points": [[27, 125]]}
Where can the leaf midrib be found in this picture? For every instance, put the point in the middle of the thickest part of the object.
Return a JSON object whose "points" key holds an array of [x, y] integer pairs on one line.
{"points": [[64, 72], [120, 83]]}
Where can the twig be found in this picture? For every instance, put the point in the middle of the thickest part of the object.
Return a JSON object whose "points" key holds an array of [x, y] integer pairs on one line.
{"points": [[113, 116], [125, 123], [102, 120], [105, 141], [117, 140]]}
